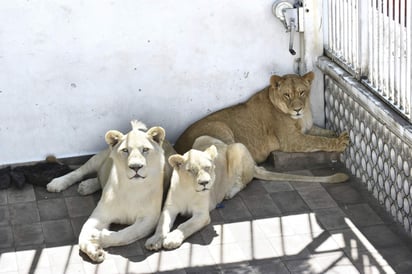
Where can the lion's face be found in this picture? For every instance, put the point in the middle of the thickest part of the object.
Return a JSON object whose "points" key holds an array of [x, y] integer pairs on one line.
{"points": [[196, 167], [290, 93], [137, 154]]}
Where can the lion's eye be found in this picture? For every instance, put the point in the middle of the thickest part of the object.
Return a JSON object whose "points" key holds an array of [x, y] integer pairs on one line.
{"points": [[145, 150], [125, 150], [192, 170], [302, 93], [207, 168], [286, 96]]}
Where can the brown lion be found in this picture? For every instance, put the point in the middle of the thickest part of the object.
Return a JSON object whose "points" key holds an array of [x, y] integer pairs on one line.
{"points": [[277, 118]]}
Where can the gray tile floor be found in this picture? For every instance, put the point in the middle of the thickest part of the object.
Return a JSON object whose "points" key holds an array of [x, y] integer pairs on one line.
{"points": [[270, 227]]}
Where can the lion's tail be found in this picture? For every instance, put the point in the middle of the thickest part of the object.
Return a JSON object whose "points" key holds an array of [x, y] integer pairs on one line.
{"points": [[264, 174]]}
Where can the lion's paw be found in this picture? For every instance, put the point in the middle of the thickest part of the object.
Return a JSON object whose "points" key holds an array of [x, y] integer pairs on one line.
{"points": [[56, 185], [154, 243], [342, 141], [94, 251], [173, 240]]}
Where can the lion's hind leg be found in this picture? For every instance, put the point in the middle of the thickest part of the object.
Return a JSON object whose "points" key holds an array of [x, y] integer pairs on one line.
{"points": [[240, 168], [216, 129]]}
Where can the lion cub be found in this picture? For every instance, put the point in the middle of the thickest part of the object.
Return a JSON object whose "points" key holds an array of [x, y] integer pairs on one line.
{"points": [[202, 178]]}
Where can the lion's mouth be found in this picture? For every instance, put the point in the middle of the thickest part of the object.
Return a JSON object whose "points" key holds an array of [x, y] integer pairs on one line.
{"points": [[137, 176], [203, 189]]}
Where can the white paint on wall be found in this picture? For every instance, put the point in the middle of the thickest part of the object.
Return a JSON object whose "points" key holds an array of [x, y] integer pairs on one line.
{"points": [[71, 69]]}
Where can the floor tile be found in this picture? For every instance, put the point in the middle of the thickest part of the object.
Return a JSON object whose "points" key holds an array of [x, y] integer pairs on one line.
{"points": [[289, 202], [8, 262], [317, 198], [271, 187], [64, 255], [4, 215], [362, 214], [235, 210], [80, 206], [6, 237], [25, 194], [331, 218], [254, 188], [216, 215], [261, 206], [269, 266], [136, 265], [24, 213], [58, 232], [381, 236], [227, 253], [28, 234], [399, 258], [32, 260], [344, 193], [3, 197], [52, 209], [42, 193], [196, 256], [77, 224]]}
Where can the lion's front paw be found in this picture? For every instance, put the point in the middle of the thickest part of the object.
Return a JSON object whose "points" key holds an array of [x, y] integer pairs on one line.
{"points": [[342, 141], [154, 243], [94, 251], [173, 240], [56, 185]]}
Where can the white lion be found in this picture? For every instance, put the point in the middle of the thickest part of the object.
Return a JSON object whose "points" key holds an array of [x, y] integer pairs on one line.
{"points": [[205, 175], [131, 173]]}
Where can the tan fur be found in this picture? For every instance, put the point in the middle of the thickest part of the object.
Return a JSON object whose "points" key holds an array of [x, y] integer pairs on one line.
{"points": [[277, 118], [132, 178], [202, 178]]}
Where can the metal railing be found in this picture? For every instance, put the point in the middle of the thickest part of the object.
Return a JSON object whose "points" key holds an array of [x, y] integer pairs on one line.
{"points": [[372, 40]]}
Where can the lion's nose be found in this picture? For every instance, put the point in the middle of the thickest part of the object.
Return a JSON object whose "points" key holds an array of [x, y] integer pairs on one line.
{"points": [[203, 183], [298, 110], [136, 167]]}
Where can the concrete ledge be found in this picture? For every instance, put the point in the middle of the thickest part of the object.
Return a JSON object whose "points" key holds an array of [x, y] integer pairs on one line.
{"points": [[301, 160]]}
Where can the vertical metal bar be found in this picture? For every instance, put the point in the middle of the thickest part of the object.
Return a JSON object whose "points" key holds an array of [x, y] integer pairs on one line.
{"points": [[364, 37], [355, 26], [327, 31], [397, 71], [375, 48], [408, 15], [338, 29], [345, 38], [402, 56], [332, 25], [391, 58], [370, 39], [385, 48], [379, 71]]}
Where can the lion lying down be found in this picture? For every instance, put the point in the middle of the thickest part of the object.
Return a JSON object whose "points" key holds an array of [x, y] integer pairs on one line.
{"points": [[202, 178], [278, 117], [132, 174]]}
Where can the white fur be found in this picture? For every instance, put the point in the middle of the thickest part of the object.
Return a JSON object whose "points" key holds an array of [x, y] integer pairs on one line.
{"points": [[202, 178], [131, 173]]}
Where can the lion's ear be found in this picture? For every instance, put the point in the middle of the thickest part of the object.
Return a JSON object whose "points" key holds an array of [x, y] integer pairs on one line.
{"points": [[112, 137], [176, 160], [308, 77], [212, 151], [157, 134], [275, 81]]}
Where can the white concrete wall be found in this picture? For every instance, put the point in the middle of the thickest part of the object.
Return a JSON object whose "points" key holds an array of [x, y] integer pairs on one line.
{"points": [[70, 69]]}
